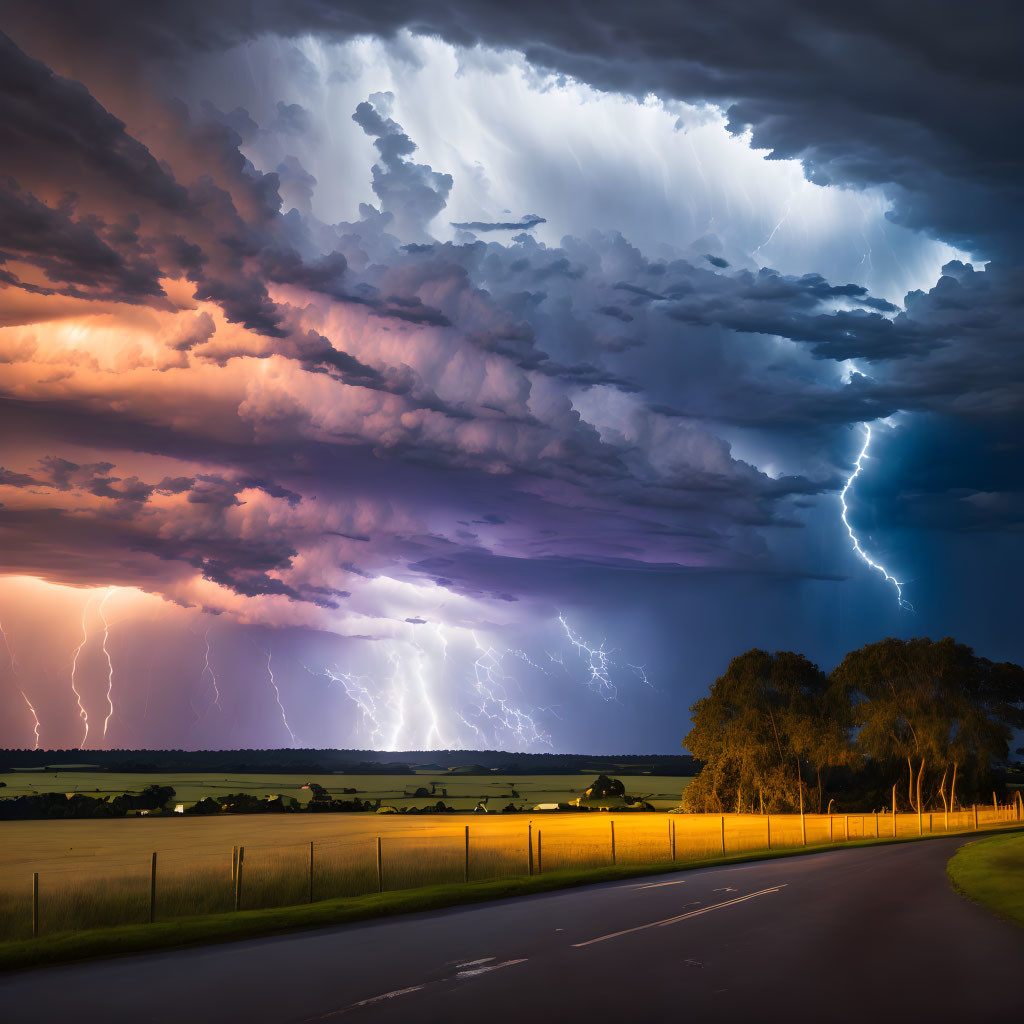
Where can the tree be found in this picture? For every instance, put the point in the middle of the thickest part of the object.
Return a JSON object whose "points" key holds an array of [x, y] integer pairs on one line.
{"points": [[933, 705], [765, 718]]}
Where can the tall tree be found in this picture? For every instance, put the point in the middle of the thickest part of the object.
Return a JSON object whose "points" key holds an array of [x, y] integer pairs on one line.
{"points": [[762, 721], [934, 705]]}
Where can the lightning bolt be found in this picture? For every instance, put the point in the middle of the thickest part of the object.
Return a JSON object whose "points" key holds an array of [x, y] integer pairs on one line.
{"points": [[24, 695], [82, 713], [213, 675], [110, 664], [426, 696], [493, 703], [277, 695], [858, 466], [782, 220], [641, 671], [357, 689], [598, 663], [35, 718]]}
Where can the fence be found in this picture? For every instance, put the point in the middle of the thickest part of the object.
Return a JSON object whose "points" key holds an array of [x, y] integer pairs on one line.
{"points": [[189, 878]]}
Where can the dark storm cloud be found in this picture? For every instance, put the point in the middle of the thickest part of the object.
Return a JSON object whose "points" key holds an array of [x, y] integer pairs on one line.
{"points": [[410, 193], [555, 397], [81, 256], [871, 94], [531, 220]]}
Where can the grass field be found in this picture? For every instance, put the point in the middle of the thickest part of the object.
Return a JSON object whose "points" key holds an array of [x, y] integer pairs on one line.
{"points": [[96, 873], [991, 872], [463, 791]]}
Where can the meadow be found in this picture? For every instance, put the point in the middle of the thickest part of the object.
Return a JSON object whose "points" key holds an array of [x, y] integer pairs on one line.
{"points": [[97, 873], [463, 791]]}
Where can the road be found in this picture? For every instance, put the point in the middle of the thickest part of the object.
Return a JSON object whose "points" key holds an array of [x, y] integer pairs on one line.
{"points": [[847, 935]]}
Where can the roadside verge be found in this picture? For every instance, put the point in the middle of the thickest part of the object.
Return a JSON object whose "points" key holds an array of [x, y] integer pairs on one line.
{"points": [[990, 871]]}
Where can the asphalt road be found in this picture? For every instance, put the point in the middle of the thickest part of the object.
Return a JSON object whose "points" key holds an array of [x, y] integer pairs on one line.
{"points": [[869, 934]]}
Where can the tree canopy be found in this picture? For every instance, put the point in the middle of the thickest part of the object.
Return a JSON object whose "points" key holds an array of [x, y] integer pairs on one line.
{"points": [[774, 728]]}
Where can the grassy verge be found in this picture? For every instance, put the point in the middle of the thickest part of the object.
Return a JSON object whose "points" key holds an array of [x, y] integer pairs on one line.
{"points": [[991, 872], [89, 944]]}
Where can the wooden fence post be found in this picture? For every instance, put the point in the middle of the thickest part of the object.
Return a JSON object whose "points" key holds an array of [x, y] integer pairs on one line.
{"points": [[803, 822], [931, 817], [35, 904], [613, 840], [894, 812], [723, 835], [529, 845], [238, 878], [673, 820], [846, 828], [540, 862], [466, 874], [975, 807], [831, 834], [152, 890], [876, 824], [311, 871], [380, 867], [234, 863], [768, 823]]}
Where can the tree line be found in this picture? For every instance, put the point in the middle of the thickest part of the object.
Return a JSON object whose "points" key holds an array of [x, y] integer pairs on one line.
{"points": [[931, 717]]}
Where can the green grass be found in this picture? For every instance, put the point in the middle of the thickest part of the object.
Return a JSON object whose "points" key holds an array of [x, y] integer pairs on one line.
{"points": [[127, 939], [991, 872], [463, 791]]}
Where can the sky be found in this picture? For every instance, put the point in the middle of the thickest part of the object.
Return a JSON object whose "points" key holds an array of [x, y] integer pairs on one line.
{"points": [[471, 375]]}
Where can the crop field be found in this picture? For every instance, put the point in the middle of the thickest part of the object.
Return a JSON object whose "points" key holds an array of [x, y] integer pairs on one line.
{"points": [[95, 873], [459, 791]]}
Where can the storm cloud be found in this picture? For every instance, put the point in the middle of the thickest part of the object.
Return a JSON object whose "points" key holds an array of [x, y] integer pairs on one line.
{"points": [[375, 429]]}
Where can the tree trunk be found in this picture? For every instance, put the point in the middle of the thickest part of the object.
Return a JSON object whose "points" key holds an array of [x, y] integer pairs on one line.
{"points": [[910, 784], [942, 789], [952, 790]]}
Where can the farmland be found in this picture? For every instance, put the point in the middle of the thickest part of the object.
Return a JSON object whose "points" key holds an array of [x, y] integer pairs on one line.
{"points": [[96, 873], [461, 792]]}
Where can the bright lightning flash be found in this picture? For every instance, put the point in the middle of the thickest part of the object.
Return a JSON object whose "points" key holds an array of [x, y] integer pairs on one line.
{"points": [[82, 713], [598, 663], [859, 465], [110, 664], [493, 703], [357, 689], [277, 695], [213, 675], [24, 695]]}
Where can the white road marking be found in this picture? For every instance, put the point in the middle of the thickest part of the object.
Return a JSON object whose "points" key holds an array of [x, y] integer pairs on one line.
{"points": [[384, 996], [727, 888], [679, 917], [493, 967], [658, 885], [369, 1002]]}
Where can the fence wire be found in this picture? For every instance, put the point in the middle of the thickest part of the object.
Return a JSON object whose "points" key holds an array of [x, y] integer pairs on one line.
{"points": [[112, 880]]}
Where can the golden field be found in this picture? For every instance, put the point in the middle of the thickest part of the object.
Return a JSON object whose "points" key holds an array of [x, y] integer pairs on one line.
{"points": [[94, 873]]}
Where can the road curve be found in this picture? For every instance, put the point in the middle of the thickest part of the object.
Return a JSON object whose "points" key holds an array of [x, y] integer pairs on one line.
{"points": [[847, 935]]}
